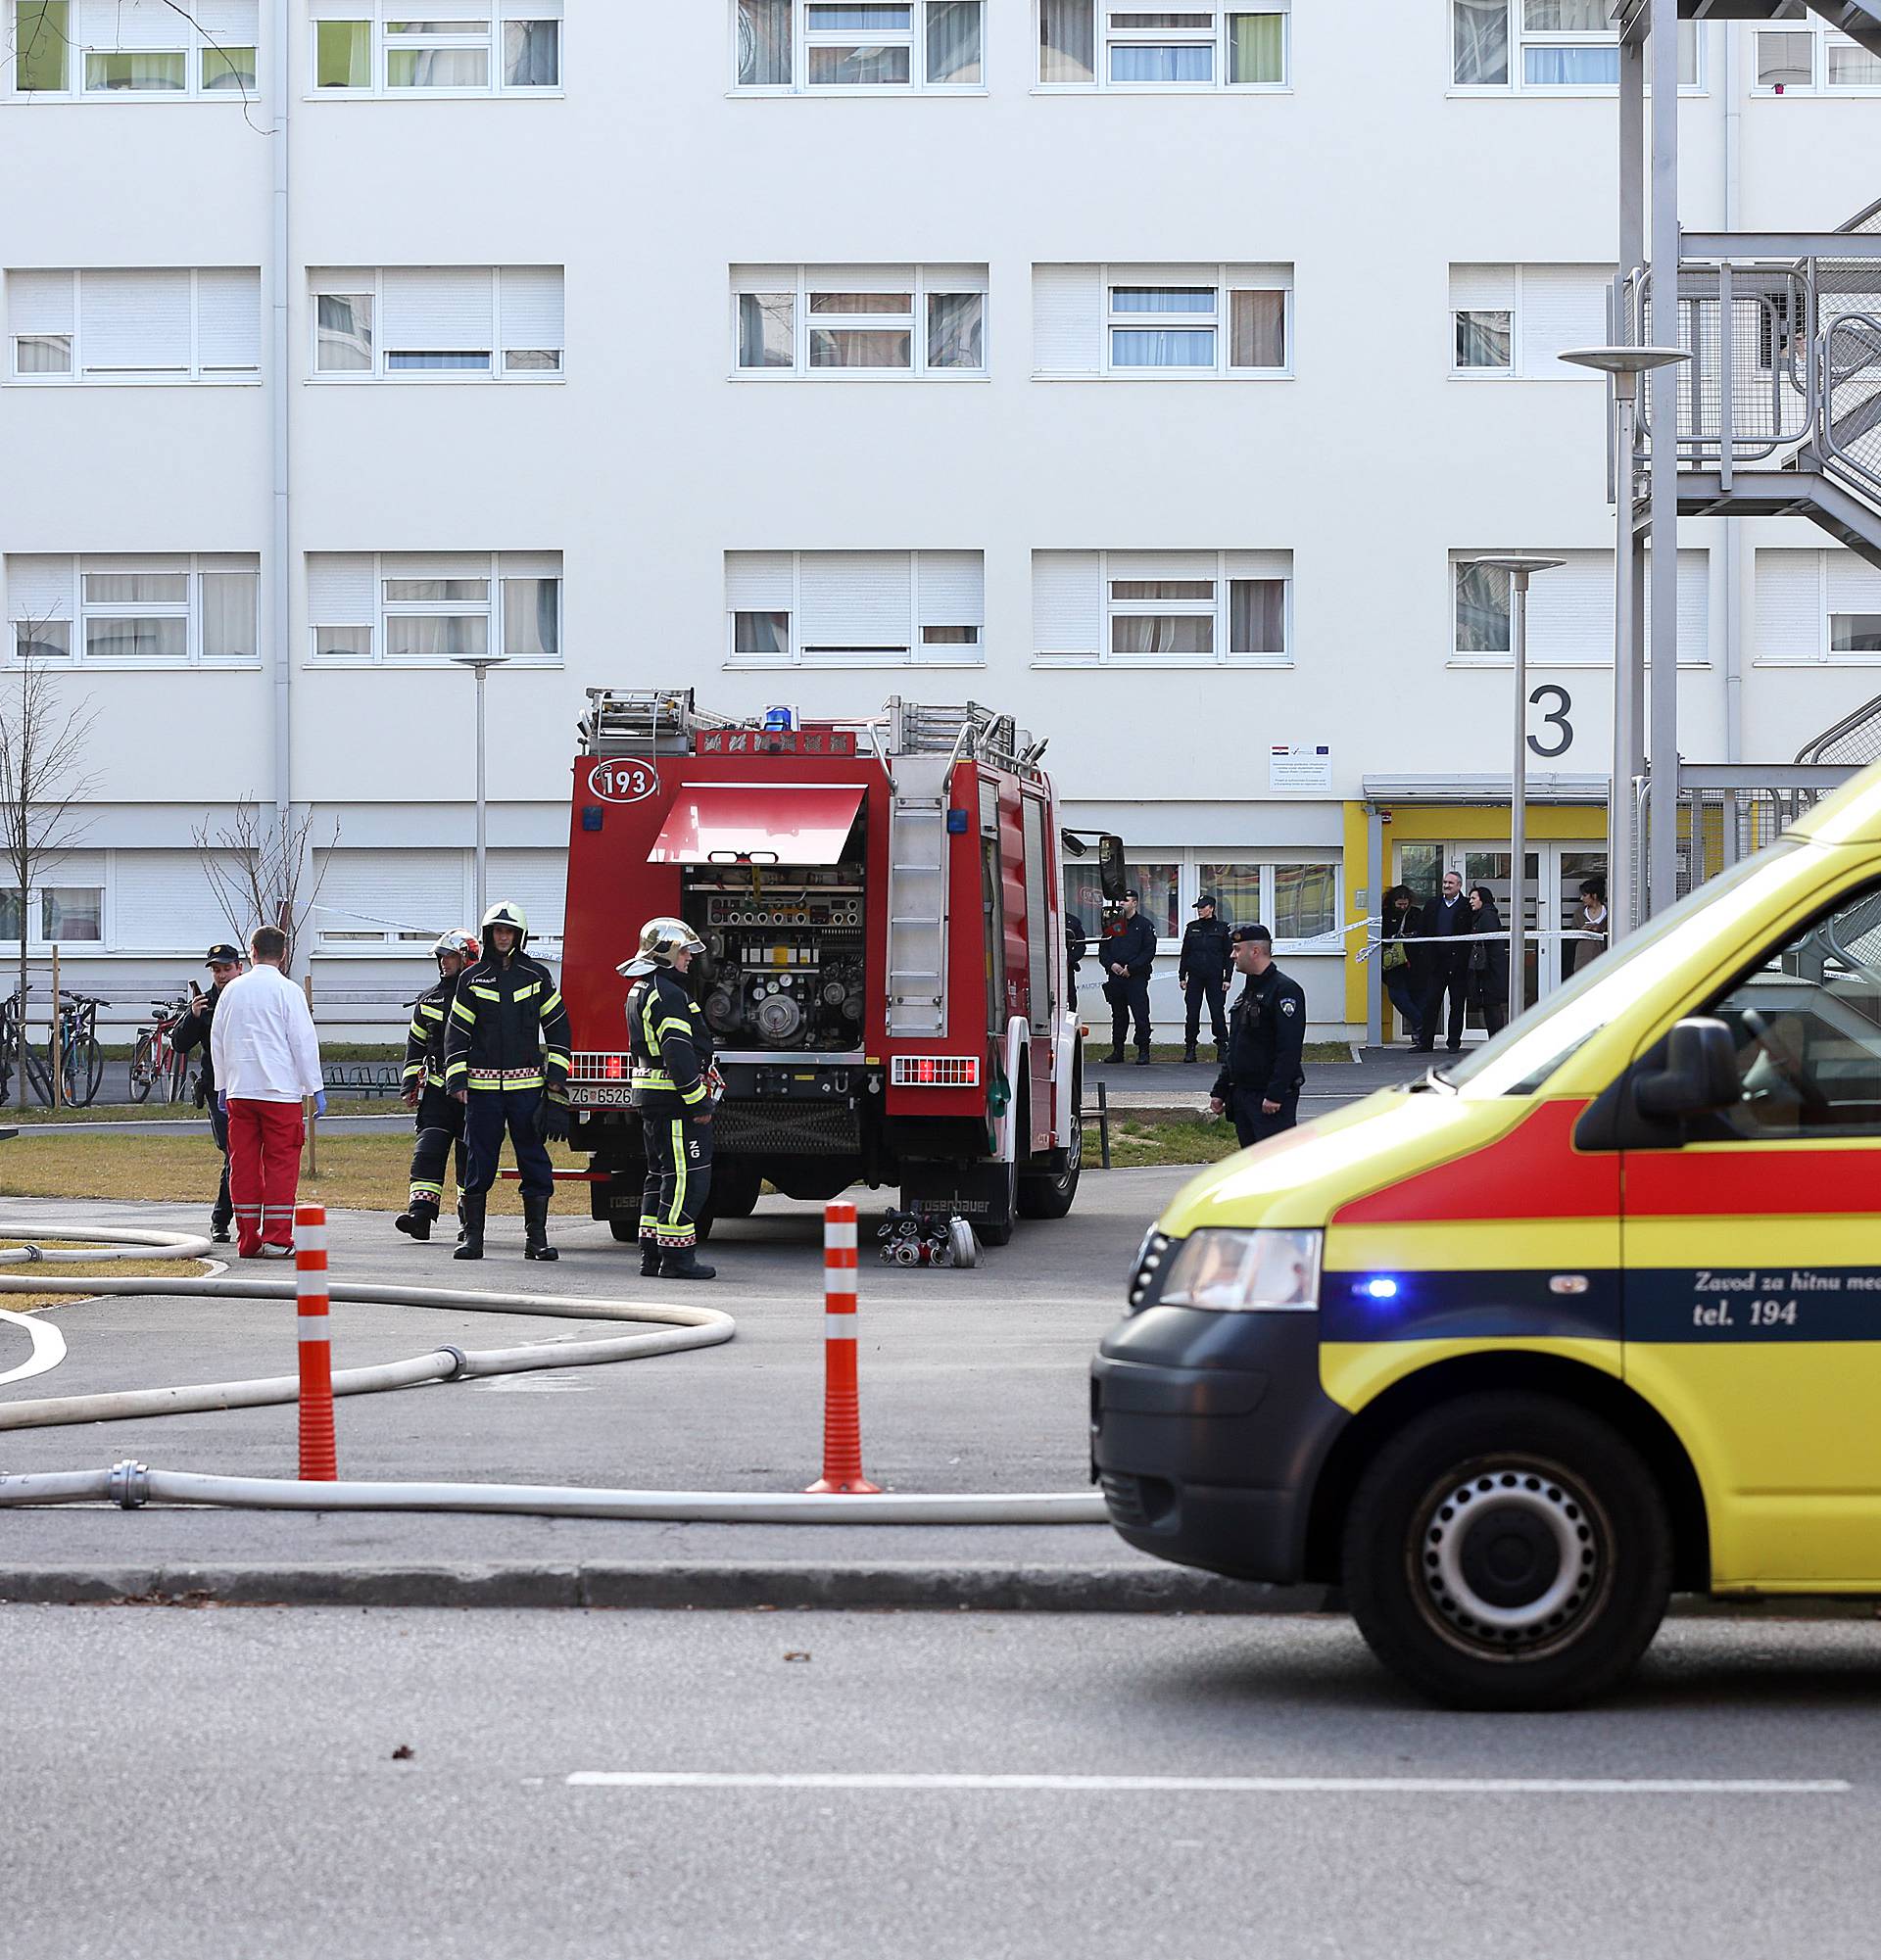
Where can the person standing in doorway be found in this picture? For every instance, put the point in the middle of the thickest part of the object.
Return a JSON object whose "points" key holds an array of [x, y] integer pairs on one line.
{"points": [[267, 1058], [1260, 1084], [1446, 918], [1487, 960], [224, 963], [1593, 919], [1402, 965], [1127, 956], [1201, 972]]}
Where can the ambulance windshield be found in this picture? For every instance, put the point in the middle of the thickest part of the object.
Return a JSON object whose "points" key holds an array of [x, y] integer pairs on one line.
{"points": [[1521, 1058]]}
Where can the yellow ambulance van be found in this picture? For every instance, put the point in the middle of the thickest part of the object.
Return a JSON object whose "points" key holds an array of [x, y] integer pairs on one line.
{"points": [[1587, 1318]]}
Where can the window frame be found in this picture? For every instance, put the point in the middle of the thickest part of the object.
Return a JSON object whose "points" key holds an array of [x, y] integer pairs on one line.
{"points": [[1512, 370], [383, 46], [924, 289], [77, 375], [945, 654], [493, 609], [498, 370], [36, 895], [1106, 37], [1521, 38], [1824, 41], [1220, 320], [914, 38], [198, 567], [1190, 865], [192, 43], [1220, 608]]}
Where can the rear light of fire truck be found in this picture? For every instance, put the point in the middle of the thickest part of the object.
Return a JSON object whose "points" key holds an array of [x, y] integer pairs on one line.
{"points": [[935, 1072]]}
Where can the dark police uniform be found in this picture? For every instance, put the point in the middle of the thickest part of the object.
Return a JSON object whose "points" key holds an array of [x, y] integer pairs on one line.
{"points": [[441, 1116], [672, 1049], [192, 1032], [1132, 946], [506, 1041], [1203, 971], [1266, 1031]]}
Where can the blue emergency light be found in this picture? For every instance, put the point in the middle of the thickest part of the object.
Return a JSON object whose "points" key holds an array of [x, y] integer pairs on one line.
{"points": [[1384, 1287], [956, 823], [780, 718]]}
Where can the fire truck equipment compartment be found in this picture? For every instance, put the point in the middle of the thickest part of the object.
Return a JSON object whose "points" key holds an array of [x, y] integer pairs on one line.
{"points": [[737, 823]]}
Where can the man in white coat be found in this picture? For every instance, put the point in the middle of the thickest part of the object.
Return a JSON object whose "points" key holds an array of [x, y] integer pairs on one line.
{"points": [[267, 1058]]}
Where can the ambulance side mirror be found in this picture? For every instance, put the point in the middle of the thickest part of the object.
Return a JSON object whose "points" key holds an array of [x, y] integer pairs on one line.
{"points": [[1111, 874], [1699, 1073]]}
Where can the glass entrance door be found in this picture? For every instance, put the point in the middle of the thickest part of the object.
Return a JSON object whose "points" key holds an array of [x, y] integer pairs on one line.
{"points": [[1422, 866]]}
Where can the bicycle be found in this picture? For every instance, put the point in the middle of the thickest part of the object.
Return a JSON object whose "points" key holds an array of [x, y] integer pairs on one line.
{"points": [[74, 1049], [157, 1059], [15, 1047]]}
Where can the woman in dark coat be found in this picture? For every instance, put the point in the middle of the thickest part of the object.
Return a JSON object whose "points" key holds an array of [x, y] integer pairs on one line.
{"points": [[1403, 967], [1488, 988]]}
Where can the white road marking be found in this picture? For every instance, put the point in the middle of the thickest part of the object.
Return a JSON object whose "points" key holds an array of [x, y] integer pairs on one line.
{"points": [[1277, 1786], [48, 1345]]}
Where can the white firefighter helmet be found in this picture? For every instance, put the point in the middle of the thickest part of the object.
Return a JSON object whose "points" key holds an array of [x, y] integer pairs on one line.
{"points": [[461, 943], [504, 913], [659, 941]]}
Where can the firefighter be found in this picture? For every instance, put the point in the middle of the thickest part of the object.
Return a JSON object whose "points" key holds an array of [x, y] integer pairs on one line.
{"points": [[439, 1116], [672, 1062], [505, 1059], [224, 963]]}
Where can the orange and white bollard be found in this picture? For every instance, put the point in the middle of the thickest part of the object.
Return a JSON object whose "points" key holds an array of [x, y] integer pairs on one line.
{"points": [[319, 1462], [841, 1406]]}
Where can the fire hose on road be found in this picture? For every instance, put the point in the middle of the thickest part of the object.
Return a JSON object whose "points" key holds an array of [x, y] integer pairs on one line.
{"points": [[672, 1330]]}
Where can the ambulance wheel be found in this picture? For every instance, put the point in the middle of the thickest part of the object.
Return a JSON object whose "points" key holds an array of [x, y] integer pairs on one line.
{"points": [[1508, 1551]]}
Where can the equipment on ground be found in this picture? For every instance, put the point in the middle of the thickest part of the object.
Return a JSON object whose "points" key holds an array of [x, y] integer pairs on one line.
{"points": [[911, 1239], [881, 923]]}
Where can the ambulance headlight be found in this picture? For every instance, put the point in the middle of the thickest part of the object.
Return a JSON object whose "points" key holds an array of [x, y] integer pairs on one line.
{"points": [[1261, 1272]]}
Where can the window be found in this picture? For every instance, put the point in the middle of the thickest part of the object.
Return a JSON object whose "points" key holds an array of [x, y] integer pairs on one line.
{"points": [[101, 49], [1161, 608], [395, 611], [855, 609], [1546, 44], [1517, 320], [1089, 44], [1149, 322], [1484, 339], [1806, 60], [1294, 901], [467, 48], [1816, 605], [836, 45], [445, 321], [67, 909], [831, 322], [135, 326], [1570, 610], [127, 611]]}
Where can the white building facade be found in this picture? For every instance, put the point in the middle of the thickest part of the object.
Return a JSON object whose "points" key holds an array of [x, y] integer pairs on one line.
{"points": [[1148, 375]]}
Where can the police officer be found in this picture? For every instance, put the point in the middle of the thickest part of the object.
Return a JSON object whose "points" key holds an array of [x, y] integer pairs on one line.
{"points": [[672, 1070], [505, 1059], [1260, 1085], [1201, 972], [439, 1116], [224, 963], [1127, 955]]}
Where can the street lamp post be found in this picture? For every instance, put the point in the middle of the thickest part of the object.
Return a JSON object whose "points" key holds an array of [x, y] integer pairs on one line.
{"points": [[1519, 565], [1626, 365], [480, 664]]}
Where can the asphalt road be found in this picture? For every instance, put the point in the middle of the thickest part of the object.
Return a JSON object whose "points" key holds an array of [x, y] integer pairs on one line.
{"points": [[178, 1783]]}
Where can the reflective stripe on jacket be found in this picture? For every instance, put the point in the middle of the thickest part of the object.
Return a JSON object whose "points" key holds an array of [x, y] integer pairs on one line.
{"points": [[506, 1028], [670, 1043]]}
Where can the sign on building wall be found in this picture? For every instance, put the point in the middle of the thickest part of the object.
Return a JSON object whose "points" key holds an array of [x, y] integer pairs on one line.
{"points": [[1299, 768]]}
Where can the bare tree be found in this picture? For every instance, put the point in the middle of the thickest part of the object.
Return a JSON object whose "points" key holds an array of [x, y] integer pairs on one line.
{"points": [[261, 874], [42, 34], [44, 784]]}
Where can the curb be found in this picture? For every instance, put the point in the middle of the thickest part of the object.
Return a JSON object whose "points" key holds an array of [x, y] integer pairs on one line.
{"points": [[667, 1587]]}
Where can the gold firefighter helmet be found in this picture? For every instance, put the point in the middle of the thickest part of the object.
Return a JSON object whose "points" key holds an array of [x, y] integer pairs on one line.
{"points": [[659, 941]]}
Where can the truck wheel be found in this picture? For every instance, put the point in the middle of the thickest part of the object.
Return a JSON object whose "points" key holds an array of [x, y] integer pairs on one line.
{"points": [[626, 1230], [1048, 1193], [1508, 1551], [735, 1190]]}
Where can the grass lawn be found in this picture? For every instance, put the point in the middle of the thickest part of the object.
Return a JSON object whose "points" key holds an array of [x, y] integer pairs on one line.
{"points": [[36, 1113], [1133, 1144], [111, 1269]]}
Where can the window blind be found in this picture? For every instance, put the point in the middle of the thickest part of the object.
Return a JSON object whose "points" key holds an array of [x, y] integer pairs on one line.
{"points": [[40, 587], [1561, 307], [758, 582], [1855, 585], [1067, 604], [339, 589], [443, 309], [1789, 605], [853, 598], [1483, 288], [952, 588], [390, 890], [538, 881], [162, 902], [532, 307], [130, 24], [229, 319], [135, 320], [1067, 319], [41, 302]]}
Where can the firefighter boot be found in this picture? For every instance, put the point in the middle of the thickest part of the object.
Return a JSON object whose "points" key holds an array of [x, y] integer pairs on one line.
{"points": [[535, 1230], [463, 1230], [650, 1258], [418, 1221], [472, 1208], [683, 1263]]}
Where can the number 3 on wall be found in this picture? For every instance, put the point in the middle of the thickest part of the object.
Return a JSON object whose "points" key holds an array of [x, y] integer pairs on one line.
{"points": [[1556, 718]]}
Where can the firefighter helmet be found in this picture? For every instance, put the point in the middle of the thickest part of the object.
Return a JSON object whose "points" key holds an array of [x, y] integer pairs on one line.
{"points": [[463, 943], [659, 941], [502, 913]]}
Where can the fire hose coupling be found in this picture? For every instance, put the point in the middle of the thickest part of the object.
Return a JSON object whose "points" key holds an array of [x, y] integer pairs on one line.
{"points": [[131, 1484], [33, 1255], [459, 1363]]}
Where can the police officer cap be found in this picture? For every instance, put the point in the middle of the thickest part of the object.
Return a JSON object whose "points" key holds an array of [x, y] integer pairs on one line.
{"points": [[1242, 934], [1207, 898], [222, 955]]}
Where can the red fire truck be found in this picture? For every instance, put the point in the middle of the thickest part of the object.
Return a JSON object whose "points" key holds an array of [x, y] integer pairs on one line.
{"points": [[884, 975]]}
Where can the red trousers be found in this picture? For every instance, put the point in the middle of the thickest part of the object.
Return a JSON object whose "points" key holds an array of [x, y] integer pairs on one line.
{"points": [[264, 1171]]}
